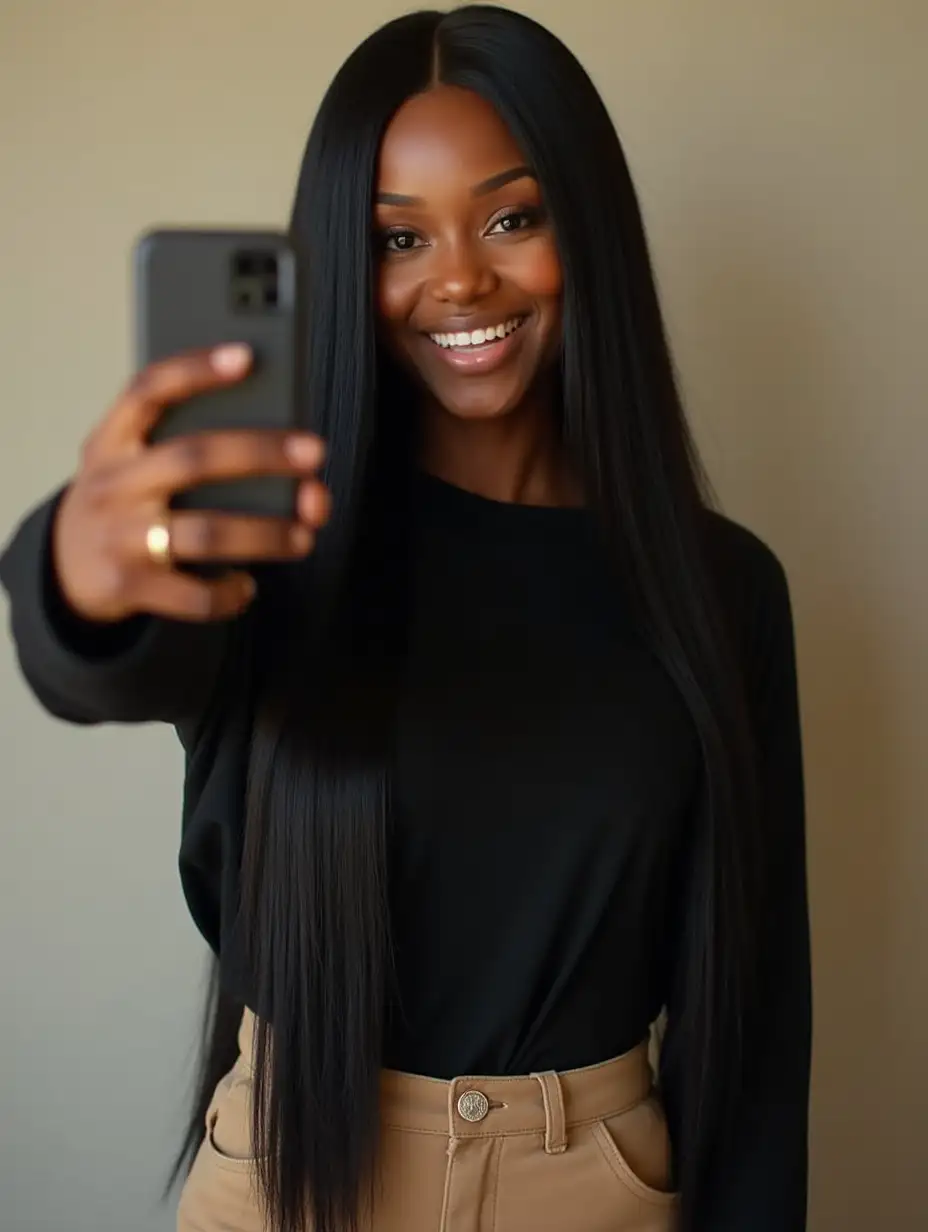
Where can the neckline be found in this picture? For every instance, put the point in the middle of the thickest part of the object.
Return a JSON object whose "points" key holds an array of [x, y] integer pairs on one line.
{"points": [[440, 496]]}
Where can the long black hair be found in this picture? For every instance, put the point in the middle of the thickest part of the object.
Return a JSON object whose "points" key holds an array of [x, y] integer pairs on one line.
{"points": [[314, 905]]}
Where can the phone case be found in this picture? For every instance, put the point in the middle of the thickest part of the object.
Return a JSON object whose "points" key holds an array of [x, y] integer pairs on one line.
{"points": [[201, 288]]}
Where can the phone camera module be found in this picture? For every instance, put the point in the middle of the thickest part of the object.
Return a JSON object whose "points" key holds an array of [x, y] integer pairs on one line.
{"points": [[254, 281]]}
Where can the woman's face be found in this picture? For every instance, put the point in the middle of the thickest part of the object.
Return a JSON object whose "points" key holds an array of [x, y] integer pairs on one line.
{"points": [[469, 277]]}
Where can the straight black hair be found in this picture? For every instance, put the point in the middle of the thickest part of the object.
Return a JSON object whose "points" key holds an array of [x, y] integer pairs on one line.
{"points": [[314, 903]]}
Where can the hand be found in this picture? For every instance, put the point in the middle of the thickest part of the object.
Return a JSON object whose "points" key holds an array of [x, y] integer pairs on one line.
{"points": [[124, 485]]}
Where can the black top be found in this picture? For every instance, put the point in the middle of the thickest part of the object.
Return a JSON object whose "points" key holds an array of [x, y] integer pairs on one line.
{"points": [[545, 765], [546, 774]]}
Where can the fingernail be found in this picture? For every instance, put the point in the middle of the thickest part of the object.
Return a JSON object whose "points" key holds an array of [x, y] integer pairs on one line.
{"points": [[300, 538], [304, 450], [249, 586], [232, 359]]}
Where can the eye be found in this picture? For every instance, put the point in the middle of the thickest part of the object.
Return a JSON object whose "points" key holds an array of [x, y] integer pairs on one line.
{"points": [[520, 219], [398, 240]]}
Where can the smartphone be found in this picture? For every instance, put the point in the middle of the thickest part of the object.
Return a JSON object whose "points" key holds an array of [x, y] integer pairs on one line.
{"points": [[200, 288]]}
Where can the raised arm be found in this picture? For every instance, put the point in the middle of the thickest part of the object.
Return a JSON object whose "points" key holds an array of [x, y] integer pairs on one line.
{"points": [[106, 632]]}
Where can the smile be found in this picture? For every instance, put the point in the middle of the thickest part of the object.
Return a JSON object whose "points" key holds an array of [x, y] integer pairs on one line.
{"points": [[480, 351], [478, 337]]}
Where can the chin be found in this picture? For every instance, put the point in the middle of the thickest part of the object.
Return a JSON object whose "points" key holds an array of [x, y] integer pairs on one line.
{"points": [[476, 408]]}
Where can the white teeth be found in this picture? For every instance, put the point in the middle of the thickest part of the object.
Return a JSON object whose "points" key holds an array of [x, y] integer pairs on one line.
{"points": [[478, 337]]}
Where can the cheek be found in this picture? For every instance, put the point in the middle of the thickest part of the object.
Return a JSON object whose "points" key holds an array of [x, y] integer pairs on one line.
{"points": [[397, 293], [541, 276]]}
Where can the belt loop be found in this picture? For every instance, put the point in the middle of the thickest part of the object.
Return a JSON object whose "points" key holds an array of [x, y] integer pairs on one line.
{"points": [[452, 1126], [555, 1118]]}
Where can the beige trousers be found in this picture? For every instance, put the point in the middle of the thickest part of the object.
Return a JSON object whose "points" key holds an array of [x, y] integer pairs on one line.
{"points": [[584, 1150]]}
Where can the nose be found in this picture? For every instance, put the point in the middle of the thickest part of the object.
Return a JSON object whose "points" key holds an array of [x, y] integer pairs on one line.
{"points": [[463, 275]]}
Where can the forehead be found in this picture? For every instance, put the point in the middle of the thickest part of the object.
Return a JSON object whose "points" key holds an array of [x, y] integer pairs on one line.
{"points": [[444, 135]]}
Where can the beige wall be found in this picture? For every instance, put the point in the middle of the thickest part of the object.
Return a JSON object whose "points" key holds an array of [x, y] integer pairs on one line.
{"points": [[780, 152]]}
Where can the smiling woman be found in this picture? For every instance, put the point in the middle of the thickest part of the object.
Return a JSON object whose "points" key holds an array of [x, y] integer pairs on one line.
{"points": [[469, 262], [511, 764]]}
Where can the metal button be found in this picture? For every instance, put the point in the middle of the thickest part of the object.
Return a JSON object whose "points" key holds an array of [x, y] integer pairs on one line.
{"points": [[473, 1105]]}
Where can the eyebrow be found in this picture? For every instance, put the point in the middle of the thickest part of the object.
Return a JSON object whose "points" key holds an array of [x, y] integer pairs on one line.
{"points": [[500, 180]]}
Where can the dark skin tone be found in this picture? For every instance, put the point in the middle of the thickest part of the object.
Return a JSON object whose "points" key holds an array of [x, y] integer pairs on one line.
{"points": [[465, 252], [465, 243]]}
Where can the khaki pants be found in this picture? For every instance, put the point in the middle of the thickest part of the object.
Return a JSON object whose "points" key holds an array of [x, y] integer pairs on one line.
{"points": [[585, 1150]]}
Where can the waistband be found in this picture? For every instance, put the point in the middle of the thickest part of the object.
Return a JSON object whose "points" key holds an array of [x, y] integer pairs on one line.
{"points": [[479, 1106]]}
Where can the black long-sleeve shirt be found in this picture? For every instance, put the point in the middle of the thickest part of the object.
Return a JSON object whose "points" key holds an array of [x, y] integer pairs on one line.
{"points": [[545, 777]]}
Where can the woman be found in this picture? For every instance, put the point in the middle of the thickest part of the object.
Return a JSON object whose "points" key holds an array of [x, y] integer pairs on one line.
{"points": [[500, 758]]}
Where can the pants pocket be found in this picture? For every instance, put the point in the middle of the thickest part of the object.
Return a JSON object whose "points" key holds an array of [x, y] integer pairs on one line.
{"points": [[228, 1124], [220, 1193], [636, 1146]]}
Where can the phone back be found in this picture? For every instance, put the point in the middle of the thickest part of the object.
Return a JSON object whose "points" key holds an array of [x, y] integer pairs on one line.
{"points": [[197, 288]]}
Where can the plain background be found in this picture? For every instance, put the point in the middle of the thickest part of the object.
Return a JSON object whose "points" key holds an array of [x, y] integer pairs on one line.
{"points": [[781, 157]]}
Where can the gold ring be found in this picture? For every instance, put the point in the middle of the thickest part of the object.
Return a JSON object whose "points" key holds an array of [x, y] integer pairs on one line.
{"points": [[158, 542]]}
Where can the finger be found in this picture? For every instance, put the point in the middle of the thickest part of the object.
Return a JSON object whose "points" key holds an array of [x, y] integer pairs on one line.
{"points": [[165, 592], [314, 503], [204, 536], [165, 382], [204, 457]]}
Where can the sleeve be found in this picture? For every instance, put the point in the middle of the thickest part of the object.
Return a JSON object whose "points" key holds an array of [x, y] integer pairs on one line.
{"points": [[138, 670], [760, 1182]]}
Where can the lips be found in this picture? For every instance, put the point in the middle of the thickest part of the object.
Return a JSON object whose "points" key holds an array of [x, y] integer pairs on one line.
{"points": [[478, 358]]}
